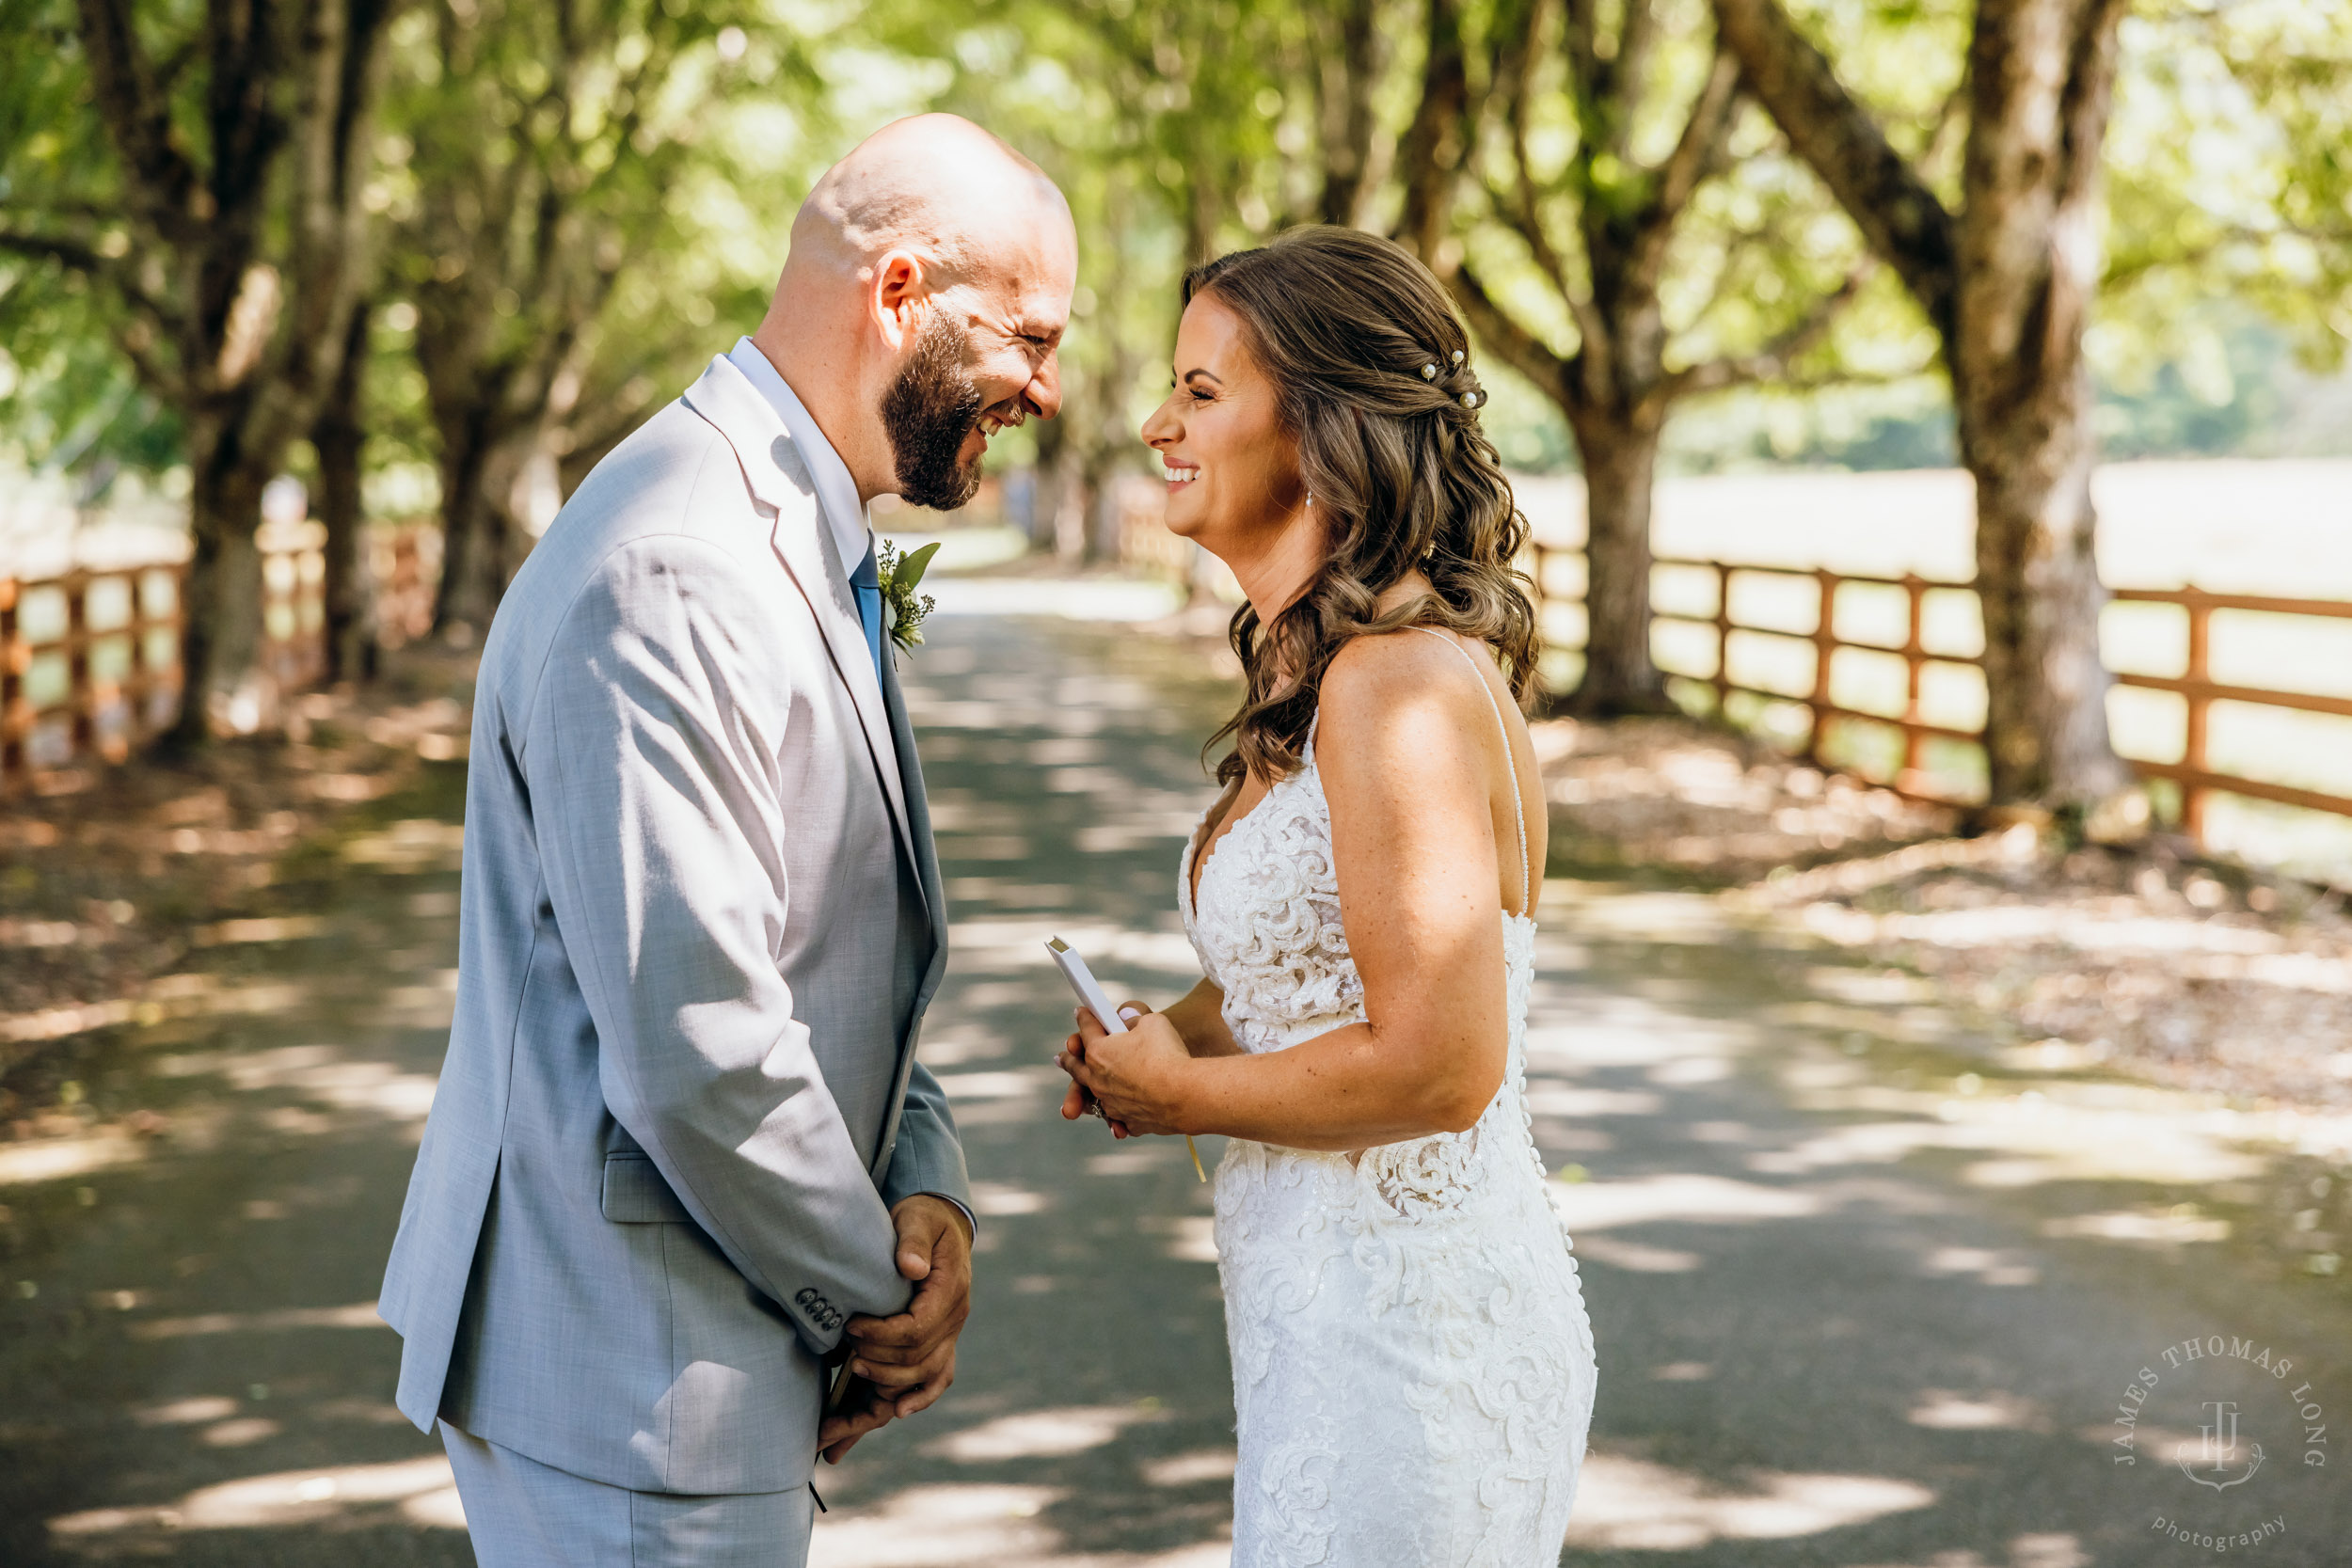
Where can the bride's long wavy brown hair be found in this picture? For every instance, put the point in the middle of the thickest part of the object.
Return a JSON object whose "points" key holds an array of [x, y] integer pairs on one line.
{"points": [[1375, 379]]}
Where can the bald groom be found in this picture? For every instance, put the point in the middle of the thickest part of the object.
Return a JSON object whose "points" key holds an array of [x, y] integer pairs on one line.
{"points": [[682, 1159]]}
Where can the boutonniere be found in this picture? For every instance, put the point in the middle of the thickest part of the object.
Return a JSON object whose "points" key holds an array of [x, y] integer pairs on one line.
{"points": [[904, 609]]}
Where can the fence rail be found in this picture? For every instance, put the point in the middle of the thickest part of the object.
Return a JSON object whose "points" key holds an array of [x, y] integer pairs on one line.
{"points": [[2196, 686], [90, 663], [2194, 775], [89, 659]]}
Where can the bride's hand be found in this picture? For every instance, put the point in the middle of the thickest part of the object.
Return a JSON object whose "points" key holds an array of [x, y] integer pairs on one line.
{"points": [[1135, 1076], [1076, 1102]]}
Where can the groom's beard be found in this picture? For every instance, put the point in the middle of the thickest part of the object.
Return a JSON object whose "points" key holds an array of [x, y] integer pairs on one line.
{"points": [[927, 412]]}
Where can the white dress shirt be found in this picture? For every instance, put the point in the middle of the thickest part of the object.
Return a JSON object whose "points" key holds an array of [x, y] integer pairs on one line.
{"points": [[836, 491]]}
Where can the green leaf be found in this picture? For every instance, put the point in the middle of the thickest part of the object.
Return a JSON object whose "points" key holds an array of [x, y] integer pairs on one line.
{"points": [[910, 571]]}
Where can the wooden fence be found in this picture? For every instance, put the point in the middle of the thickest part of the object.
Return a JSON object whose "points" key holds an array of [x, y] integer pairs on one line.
{"points": [[89, 660], [2195, 685], [1922, 656], [89, 664]]}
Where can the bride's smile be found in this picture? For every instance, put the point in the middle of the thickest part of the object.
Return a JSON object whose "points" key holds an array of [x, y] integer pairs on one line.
{"points": [[1232, 465]]}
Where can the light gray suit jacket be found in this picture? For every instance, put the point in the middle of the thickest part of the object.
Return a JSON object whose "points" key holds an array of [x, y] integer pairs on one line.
{"points": [[701, 922]]}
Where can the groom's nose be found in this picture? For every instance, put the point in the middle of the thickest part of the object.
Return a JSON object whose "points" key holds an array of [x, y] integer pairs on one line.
{"points": [[1042, 395]]}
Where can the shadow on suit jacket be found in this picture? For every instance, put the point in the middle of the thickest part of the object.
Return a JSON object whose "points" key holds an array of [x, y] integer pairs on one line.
{"points": [[700, 922]]}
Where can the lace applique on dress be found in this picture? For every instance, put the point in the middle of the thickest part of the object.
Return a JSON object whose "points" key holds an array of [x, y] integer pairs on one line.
{"points": [[1413, 1367]]}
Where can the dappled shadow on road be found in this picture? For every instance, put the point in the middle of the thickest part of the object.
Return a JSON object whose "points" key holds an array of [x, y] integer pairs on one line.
{"points": [[1868, 1282], [1867, 1277], [194, 1237], [1871, 1281]]}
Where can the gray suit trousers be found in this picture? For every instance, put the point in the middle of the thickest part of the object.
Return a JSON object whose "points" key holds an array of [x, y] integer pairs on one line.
{"points": [[525, 1514]]}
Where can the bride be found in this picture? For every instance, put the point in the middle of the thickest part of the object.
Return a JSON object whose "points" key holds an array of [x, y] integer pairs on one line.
{"points": [[1413, 1368]]}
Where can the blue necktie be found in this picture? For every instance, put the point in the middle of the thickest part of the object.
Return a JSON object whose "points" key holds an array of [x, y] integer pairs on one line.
{"points": [[866, 580]]}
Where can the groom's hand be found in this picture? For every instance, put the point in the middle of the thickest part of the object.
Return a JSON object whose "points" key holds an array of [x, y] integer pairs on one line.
{"points": [[862, 1408], [911, 1358]]}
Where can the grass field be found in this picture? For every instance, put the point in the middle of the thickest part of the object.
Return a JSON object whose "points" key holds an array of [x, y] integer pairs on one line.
{"points": [[2229, 527]]}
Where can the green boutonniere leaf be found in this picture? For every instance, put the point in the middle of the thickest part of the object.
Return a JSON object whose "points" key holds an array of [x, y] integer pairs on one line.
{"points": [[911, 570], [903, 608]]}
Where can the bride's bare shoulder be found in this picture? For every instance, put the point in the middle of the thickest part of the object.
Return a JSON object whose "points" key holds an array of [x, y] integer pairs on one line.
{"points": [[1398, 691]]}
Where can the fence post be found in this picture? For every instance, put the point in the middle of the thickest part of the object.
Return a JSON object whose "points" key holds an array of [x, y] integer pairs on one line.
{"points": [[81, 701], [310, 613], [140, 688], [1723, 639], [2193, 745], [1915, 658], [1824, 647], [14, 657], [107, 694], [397, 589], [151, 675]]}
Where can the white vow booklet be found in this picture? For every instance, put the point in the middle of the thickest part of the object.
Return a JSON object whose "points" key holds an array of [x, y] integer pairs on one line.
{"points": [[1092, 997]]}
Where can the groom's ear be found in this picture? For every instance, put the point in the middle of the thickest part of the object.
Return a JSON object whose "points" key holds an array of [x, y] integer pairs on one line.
{"points": [[894, 300]]}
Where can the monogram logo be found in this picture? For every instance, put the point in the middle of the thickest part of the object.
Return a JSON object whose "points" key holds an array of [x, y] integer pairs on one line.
{"points": [[2210, 1466], [2199, 1408]]}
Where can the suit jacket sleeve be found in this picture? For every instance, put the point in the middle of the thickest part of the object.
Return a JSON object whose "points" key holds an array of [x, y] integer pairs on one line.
{"points": [[651, 759], [929, 1156]]}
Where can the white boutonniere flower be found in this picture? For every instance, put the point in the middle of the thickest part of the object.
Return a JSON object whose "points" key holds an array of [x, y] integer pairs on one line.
{"points": [[904, 609]]}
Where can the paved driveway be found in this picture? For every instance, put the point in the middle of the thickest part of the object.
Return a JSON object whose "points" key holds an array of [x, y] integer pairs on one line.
{"points": [[1867, 1292]]}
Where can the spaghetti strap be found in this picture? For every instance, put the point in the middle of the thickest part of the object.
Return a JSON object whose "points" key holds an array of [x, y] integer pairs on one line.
{"points": [[1518, 808]]}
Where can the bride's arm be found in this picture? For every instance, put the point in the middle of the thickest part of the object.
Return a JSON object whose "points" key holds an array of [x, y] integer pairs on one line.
{"points": [[1409, 750], [1199, 1018]]}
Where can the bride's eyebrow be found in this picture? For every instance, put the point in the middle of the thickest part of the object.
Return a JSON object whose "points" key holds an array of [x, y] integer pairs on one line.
{"points": [[1202, 375]]}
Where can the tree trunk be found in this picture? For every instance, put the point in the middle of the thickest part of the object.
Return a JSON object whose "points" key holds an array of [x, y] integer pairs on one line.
{"points": [[1104, 544], [339, 437], [220, 621], [2008, 281], [1431, 151], [1045, 486], [256, 205], [1620, 461], [1070, 508], [2041, 75], [2038, 580], [1344, 80], [473, 559]]}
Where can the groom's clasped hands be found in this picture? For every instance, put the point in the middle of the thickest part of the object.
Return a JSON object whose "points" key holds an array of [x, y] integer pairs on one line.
{"points": [[901, 1364]]}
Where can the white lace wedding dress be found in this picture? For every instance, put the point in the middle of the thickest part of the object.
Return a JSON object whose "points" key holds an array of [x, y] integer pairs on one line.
{"points": [[1413, 1368]]}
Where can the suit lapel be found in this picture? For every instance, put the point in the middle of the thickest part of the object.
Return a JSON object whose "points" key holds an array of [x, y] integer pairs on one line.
{"points": [[935, 902], [779, 477], [810, 555], [919, 805]]}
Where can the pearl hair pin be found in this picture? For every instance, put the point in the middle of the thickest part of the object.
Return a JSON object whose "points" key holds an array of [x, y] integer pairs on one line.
{"points": [[1429, 373], [1469, 400], [1457, 356]]}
